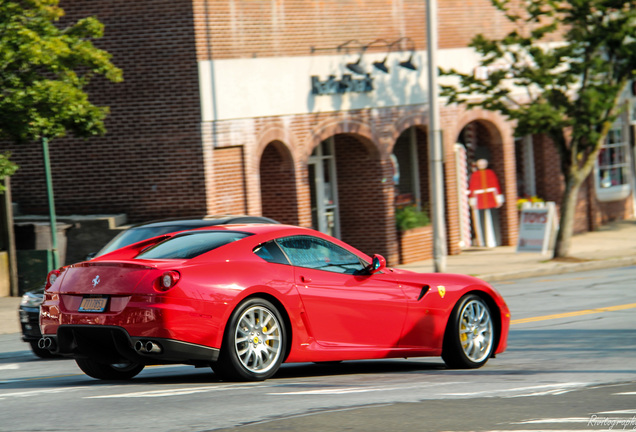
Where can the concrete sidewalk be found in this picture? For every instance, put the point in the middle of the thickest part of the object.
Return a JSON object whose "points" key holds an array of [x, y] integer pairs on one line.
{"points": [[613, 245]]}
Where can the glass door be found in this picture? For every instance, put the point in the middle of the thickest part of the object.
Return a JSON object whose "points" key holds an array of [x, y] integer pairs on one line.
{"points": [[323, 187]]}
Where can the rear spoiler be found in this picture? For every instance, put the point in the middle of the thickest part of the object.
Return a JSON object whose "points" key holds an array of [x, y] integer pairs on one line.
{"points": [[131, 251]]}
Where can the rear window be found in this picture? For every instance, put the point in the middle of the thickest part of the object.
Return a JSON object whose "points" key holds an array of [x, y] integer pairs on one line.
{"points": [[134, 235], [191, 244]]}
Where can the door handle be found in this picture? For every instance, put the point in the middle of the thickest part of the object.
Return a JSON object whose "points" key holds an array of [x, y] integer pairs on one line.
{"points": [[305, 279]]}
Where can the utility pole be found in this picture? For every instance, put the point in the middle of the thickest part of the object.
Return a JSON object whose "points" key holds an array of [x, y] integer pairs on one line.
{"points": [[436, 150], [49, 193]]}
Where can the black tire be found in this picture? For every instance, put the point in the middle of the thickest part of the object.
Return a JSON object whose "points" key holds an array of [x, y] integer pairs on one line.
{"points": [[470, 335], [254, 343], [42, 353], [104, 371]]}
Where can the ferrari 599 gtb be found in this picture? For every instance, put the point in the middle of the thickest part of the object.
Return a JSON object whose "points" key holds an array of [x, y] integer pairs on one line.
{"points": [[243, 299]]}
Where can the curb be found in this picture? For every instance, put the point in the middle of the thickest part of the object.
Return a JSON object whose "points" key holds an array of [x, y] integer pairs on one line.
{"points": [[560, 268]]}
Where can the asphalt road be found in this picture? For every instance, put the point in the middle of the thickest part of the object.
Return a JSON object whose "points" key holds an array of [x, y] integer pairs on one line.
{"points": [[570, 365]]}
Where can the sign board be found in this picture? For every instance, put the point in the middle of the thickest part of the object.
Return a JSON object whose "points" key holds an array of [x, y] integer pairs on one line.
{"points": [[537, 226]]}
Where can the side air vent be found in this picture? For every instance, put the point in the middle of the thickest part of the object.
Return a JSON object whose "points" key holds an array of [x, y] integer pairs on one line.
{"points": [[425, 289]]}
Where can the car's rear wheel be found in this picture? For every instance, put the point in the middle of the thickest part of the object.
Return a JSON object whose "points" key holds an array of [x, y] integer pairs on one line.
{"points": [[470, 334], [253, 344], [105, 371]]}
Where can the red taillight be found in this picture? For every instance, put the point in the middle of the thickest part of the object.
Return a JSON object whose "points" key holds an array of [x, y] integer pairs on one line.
{"points": [[168, 280], [51, 278]]}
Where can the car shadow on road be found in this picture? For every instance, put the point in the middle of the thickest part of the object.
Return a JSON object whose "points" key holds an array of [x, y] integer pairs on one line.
{"points": [[310, 370]]}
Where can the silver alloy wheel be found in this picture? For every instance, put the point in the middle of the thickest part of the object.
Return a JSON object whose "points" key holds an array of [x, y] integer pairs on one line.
{"points": [[258, 339], [476, 332]]}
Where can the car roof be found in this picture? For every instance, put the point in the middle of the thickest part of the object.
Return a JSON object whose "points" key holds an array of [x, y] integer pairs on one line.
{"points": [[268, 230], [203, 221], [254, 228]]}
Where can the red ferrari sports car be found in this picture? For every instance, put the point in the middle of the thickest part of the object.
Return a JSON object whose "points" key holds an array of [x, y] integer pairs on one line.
{"points": [[245, 298]]}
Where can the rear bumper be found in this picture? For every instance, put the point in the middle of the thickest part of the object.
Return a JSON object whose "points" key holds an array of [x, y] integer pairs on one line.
{"points": [[112, 344]]}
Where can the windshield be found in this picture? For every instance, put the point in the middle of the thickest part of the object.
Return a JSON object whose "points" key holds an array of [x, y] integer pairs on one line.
{"points": [[134, 235], [191, 244]]}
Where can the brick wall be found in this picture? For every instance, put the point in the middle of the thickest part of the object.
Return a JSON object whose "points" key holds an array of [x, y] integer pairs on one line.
{"points": [[230, 181], [248, 28], [416, 244], [149, 164]]}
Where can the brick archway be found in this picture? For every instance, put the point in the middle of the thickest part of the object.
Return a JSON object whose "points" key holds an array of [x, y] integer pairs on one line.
{"points": [[278, 184]]}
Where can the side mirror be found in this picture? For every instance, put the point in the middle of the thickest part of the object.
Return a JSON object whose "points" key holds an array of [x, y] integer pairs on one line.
{"points": [[377, 264]]}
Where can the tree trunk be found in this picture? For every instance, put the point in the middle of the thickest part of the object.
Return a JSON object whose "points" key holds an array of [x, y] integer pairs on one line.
{"points": [[566, 220]]}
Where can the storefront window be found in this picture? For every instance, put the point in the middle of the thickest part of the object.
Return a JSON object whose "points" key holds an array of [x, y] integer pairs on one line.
{"points": [[524, 157], [406, 170], [612, 167]]}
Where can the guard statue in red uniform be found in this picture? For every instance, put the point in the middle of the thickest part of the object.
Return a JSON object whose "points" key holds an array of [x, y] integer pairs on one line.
{"points": [[484, 189], [484, 194]]}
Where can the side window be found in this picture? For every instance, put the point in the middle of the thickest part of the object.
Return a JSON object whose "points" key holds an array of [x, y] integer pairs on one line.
{"points": [[316, 253], [271, 252]]}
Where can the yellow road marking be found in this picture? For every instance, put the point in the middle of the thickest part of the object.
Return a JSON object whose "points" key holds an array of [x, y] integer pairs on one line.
{"points": [[573, 314]]}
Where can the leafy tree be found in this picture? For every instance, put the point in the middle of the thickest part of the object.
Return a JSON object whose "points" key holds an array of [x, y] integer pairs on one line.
{"points": [[44, 69], [568, 89], [7, 168]]}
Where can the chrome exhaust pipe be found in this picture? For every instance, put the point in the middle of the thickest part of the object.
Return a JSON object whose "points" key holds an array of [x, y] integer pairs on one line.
{"points": [[153, 348], [46, 343], [147, 347]]}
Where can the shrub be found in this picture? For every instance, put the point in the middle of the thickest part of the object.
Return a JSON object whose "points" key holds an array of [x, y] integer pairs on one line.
{"points": [[409, 217]]}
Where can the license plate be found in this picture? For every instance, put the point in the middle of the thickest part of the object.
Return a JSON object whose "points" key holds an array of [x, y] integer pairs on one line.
{"points": [[93, 304]]}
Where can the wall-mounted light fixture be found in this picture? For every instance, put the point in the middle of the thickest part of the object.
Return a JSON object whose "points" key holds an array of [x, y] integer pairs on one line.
{"points": [[354, 67], [401, 44], [408, 63], [381, 65]]}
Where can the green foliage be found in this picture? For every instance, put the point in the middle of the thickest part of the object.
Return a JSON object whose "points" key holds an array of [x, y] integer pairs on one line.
{"points": [[551, 88], [44, 70], [7, 168], [409, 217]]}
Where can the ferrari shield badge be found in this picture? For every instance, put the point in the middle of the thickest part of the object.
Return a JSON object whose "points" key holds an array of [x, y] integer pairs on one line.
{"points": [[441, 290]]}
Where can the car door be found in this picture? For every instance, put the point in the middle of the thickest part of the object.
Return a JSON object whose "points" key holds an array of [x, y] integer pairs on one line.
{"points": [[345, 305]]}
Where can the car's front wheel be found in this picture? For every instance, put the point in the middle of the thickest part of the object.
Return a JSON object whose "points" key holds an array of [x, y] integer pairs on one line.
{"points": [[105, 371], [253, 344], [470, 335]]}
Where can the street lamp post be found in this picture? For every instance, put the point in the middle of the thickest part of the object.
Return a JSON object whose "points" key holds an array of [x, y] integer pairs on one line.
{"points": [[436, 151]]}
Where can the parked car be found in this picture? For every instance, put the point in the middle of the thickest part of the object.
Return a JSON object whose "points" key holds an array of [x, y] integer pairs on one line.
{"points": [[243, 299], [29, 309]]}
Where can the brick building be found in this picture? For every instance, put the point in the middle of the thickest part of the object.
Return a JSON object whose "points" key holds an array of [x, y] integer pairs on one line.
{"points": [[248, 107]]}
